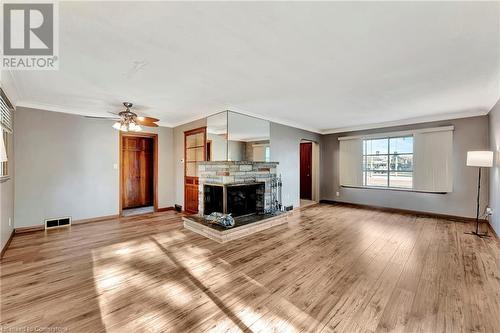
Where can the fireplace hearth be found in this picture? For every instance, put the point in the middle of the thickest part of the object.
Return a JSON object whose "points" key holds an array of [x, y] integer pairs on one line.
{"points": [[247, 190]]}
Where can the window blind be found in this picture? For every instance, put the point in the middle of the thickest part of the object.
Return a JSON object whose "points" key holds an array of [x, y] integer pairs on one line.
{"points": [[5, 113], [351, 162], [432, 159]]}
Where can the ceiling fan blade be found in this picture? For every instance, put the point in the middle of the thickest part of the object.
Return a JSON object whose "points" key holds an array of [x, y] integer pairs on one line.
{"points": [[105, 118], [147, 119], [148, 124]]}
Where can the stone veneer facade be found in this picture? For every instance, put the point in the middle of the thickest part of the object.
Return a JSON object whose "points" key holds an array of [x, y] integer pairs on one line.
{"points": [[235, 172]]}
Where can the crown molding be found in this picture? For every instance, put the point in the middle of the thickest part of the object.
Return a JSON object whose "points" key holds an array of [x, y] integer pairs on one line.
{"points": [[66, 110], [409, 121], [10, 86], [401, 122]]}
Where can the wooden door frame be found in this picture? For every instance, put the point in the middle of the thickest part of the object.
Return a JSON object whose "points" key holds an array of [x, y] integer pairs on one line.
{"points": [[153, 136], [310, 143], [203, 130], [315, 173]]}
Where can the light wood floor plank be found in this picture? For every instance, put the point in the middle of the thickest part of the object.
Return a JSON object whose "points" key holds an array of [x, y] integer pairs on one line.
{"points": [[331, 268]]}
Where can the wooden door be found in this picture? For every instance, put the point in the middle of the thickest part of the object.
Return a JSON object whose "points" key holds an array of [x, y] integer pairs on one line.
{"points": [[306, 170], [137, 171], [194, 152]]}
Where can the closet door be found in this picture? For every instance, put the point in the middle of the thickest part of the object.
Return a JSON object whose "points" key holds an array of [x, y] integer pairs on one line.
{"points": [[138, 173]]}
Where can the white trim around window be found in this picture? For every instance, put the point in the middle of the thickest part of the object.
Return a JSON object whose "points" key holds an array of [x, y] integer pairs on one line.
{"points": [[398, 133]]}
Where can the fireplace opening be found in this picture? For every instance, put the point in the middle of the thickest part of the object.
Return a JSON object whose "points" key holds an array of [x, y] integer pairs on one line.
{"points": [[213, 199], [237, 199]]}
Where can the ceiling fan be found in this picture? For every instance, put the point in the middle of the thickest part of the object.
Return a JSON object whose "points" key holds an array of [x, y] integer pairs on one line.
{"points": [[130, 121]]}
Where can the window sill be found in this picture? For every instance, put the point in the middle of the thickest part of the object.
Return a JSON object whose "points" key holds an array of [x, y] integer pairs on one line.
{"points": [[397, 189]]}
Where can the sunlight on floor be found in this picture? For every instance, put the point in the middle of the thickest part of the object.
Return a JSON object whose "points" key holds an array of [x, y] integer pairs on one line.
{"points": [[172, 288]]}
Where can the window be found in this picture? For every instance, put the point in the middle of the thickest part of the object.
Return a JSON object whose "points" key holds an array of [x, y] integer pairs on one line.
{"points": [[5, 130], [4, 170], [419, 160], [388, 162]]}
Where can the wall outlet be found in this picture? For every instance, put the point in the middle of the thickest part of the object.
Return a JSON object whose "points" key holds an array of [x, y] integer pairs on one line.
{"points": [[115, 166], [337, 194], [10, 222]]}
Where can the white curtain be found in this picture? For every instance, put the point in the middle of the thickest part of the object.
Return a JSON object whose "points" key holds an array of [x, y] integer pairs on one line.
{"points": [[432, 158], [351, 162]]}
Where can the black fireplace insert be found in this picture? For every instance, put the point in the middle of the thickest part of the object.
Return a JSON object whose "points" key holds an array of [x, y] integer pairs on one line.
{"points": [[237, 199]]}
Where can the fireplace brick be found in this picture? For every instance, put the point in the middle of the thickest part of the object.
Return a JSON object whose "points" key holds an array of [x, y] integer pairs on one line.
{"points": [[246, 167]]}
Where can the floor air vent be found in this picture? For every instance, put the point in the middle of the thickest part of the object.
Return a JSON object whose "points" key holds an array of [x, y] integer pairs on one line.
{"points": [[58, 223]]}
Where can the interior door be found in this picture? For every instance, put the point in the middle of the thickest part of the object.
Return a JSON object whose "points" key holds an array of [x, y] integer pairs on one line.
{"points": [[306, 170], [137, 172], [194, 151]]}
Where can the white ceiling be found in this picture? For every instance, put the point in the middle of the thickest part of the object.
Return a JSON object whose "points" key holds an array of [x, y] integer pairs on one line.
{"points": [[322, 66]]}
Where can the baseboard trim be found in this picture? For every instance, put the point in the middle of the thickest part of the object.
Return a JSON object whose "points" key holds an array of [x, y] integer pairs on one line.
{"points": [[96, 219], [493, 232], [24, 230], [165, 209], [7, 244], [404, 211]]}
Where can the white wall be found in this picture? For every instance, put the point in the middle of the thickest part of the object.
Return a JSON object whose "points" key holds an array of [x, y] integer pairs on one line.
{"points": [[285, 149], [494, 122], [65, 166]]}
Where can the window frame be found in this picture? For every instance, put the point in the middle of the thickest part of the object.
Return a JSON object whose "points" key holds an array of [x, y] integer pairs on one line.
{"points": [[4, 166], [388, 155], [6, 130]]}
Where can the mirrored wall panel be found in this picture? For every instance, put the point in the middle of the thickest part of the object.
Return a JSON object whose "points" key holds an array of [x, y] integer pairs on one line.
{"points": [[233, 136], [217, 137], [248, 138]]}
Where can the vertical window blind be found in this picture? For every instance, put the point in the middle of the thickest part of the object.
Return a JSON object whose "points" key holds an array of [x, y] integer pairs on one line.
{"points": [[419, 160], [5, 113], [6, 128]]}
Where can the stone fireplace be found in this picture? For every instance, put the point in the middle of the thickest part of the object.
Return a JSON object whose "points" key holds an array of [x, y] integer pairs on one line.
{"points": [[236, 187], [237, 199]]}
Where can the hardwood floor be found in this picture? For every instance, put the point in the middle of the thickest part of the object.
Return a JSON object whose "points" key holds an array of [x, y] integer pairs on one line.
{"points": [[332, 268]]}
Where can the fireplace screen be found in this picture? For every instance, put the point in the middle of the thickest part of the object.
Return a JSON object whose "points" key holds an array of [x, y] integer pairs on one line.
{"points": [[236, 199]]}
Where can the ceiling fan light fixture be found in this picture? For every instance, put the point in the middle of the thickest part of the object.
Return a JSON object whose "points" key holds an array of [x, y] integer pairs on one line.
{"points": [[117, 125]]}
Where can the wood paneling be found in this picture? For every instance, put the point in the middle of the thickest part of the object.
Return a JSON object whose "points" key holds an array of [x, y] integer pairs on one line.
{"points": [[194, 151], [331, 268], [306, 170]]}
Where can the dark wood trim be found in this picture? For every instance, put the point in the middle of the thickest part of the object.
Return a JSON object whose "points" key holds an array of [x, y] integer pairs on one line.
{"points": [[203, 130], [154, 136], [165, 209], [404, 211], [7, 244], [492, 230], [23, 230], [96, 219]]}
